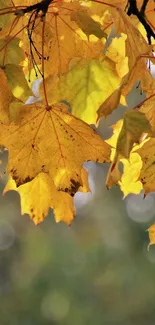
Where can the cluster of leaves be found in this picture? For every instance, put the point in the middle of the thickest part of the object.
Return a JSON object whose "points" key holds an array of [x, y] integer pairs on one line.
{"points": [[89, 54]]}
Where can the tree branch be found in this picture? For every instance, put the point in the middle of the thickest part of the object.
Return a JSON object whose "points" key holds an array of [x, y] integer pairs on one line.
{"points": [[41, 6], [143, 7], [133, 10]]}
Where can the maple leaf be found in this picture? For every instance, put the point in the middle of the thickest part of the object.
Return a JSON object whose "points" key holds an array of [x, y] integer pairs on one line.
{"points": [[131, 131], [40, 194], [122, 142], [69, 40], [135, 124], [51, 140], [82, 87], [129, 182]]}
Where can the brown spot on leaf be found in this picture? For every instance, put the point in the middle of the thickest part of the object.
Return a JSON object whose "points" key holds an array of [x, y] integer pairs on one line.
{"points": [[74, 186], [19, 181], [27, 179], [143, 181]]}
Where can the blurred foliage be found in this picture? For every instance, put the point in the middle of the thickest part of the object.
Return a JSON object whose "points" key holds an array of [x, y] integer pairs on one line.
{"points": [[98, 271]]}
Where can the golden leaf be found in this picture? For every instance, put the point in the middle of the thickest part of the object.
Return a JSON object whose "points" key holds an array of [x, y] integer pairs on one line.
{"points": [[40, 194], [135, 124], [51, 140], [128, 179], [85, 87], [68, 39], [129, 182]]}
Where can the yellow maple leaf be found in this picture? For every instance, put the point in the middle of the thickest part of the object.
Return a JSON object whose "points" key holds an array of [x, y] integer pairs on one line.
{"points": [[50, 140], [128, 179], [135, 125], [40, 194], [84, 87], [129, 182], [68, 39]]}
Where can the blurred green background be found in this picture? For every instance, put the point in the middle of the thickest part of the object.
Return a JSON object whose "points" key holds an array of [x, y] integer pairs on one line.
{"points": [[96, 272]]}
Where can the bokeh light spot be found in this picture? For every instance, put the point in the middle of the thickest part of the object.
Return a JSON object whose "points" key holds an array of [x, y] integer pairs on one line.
{"points": [[55, 306], [140, 209]]}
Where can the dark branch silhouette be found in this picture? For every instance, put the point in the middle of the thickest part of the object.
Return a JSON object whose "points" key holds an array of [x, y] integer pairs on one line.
{"points": [[133, 10]]}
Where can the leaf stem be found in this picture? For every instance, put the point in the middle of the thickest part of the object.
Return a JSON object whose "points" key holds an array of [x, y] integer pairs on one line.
{"points": [[43, 67], [141, 103]]}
